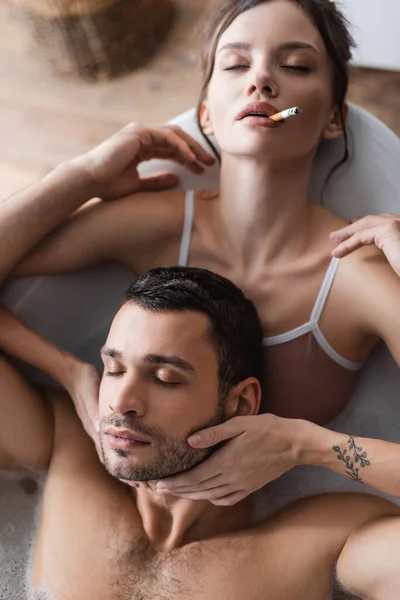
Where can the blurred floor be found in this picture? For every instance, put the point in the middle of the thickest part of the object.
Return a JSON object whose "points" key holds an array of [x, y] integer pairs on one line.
{"points": [[44, 119]]}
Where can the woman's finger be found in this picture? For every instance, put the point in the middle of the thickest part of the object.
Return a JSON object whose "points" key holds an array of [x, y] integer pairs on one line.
{"points": [[354, 242], [230, 499], [361, 224], [162, 181], [151, 139], [192, 478], [202, 154], [211, 495], [175, 139], [207, 484]]}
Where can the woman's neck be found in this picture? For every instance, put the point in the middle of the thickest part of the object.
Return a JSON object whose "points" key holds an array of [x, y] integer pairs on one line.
{"points": [[264, 208]]}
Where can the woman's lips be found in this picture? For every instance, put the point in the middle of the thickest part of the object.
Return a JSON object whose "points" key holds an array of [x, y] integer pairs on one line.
{"points": [[256, 121], [261, 108]]}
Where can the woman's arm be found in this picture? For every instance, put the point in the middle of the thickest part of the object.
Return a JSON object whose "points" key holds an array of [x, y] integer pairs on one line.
{"points": [[79, 379], [26, 422], [26, 419], [108, 171]]}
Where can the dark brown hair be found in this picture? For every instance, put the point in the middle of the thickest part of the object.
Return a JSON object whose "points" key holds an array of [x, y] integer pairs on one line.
{"points": [[235, 330], [329, 21]]}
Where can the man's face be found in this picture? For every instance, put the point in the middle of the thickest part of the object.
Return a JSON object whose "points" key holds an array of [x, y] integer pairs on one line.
{"points": [[160, 384]]}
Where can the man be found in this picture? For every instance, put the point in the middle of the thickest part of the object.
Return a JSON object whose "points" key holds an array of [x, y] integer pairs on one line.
{"points": [[183, 352]]}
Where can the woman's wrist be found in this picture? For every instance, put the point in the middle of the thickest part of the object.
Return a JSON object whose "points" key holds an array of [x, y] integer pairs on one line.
{"points": [[314, 444], [68, 371]]}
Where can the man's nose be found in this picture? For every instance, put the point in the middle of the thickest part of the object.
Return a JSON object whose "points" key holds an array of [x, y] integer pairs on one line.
{"points": [[263, 83], [128, 397]]}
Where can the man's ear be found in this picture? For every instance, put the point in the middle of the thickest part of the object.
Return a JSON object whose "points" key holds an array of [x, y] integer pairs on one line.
{"points": [[334, 129], [244, 399], [205, 120]]}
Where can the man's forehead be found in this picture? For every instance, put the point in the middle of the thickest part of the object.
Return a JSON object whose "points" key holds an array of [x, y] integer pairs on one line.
{"points": [[170, 332]]}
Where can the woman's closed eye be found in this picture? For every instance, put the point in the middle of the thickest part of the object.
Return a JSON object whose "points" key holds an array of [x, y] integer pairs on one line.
{"points": [[236, 68]]}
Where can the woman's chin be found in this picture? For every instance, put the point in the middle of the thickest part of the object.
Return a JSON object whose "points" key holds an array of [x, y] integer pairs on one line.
{"points": [[258, 150]]}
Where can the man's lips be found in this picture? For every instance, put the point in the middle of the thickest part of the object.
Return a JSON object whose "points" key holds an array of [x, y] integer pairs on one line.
{"points": [[127, 435], [257, 108]]}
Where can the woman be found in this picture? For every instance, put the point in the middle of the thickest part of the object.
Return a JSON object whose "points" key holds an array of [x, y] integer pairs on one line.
{"points": [[322, 317]]}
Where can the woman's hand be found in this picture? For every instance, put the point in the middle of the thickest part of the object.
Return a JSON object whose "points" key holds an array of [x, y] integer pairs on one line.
{"points": [[382, 230], [82, 382], [113, 164], [259, 449]]}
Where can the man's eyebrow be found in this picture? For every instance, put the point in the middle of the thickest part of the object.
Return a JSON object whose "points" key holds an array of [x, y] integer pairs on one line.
{"points": [[112, 352], [175, 361]]}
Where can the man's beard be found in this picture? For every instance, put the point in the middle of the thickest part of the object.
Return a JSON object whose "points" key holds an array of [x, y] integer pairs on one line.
{"points": [[173, 456]]}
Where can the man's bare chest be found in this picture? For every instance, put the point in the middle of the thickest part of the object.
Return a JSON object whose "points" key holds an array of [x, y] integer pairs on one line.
{"points": [[102, 561], [91, 544]]}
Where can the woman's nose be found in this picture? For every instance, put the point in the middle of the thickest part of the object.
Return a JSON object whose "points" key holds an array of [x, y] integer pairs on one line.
{"points": [[128, 397], [262, 83]]}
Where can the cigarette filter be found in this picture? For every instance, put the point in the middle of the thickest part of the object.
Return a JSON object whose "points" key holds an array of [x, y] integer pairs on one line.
{"points": [[286, 114]]}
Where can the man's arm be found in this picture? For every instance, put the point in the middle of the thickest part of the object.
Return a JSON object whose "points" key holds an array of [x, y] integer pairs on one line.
{"points": [[26, 218], [369, 563], [126, 230]]}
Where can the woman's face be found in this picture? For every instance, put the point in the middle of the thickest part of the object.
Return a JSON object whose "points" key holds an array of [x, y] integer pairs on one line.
{"points": [[272, 53]]}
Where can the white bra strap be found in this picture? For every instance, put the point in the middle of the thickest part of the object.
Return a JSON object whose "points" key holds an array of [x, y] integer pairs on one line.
{"points": [[324, 291], [187, 230]]}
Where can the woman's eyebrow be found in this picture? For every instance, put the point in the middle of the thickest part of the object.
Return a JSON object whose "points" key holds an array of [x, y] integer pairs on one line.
{"points": [[235, 46], [297, 46], [286, 46]]}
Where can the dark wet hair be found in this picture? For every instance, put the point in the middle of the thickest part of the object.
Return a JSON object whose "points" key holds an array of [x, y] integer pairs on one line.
{"points": [[329, 21], [235, 329]]}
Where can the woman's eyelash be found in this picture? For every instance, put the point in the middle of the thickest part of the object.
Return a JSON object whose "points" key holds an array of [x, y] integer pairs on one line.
{"points": [[236, 68]]}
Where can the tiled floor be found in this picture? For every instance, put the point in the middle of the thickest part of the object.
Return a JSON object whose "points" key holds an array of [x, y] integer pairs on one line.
{"points": [[45, 119]]}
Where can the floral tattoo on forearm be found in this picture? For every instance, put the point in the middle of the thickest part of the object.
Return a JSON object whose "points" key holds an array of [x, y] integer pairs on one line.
{"points": [[354, 456]]}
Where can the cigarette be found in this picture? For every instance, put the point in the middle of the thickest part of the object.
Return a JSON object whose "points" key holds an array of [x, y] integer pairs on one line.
{"points": [[286, 114]]}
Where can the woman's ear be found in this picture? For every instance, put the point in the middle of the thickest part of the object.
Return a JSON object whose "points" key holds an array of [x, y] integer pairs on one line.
{"points": [[244, 399], [334, 129], [205, 120]]}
